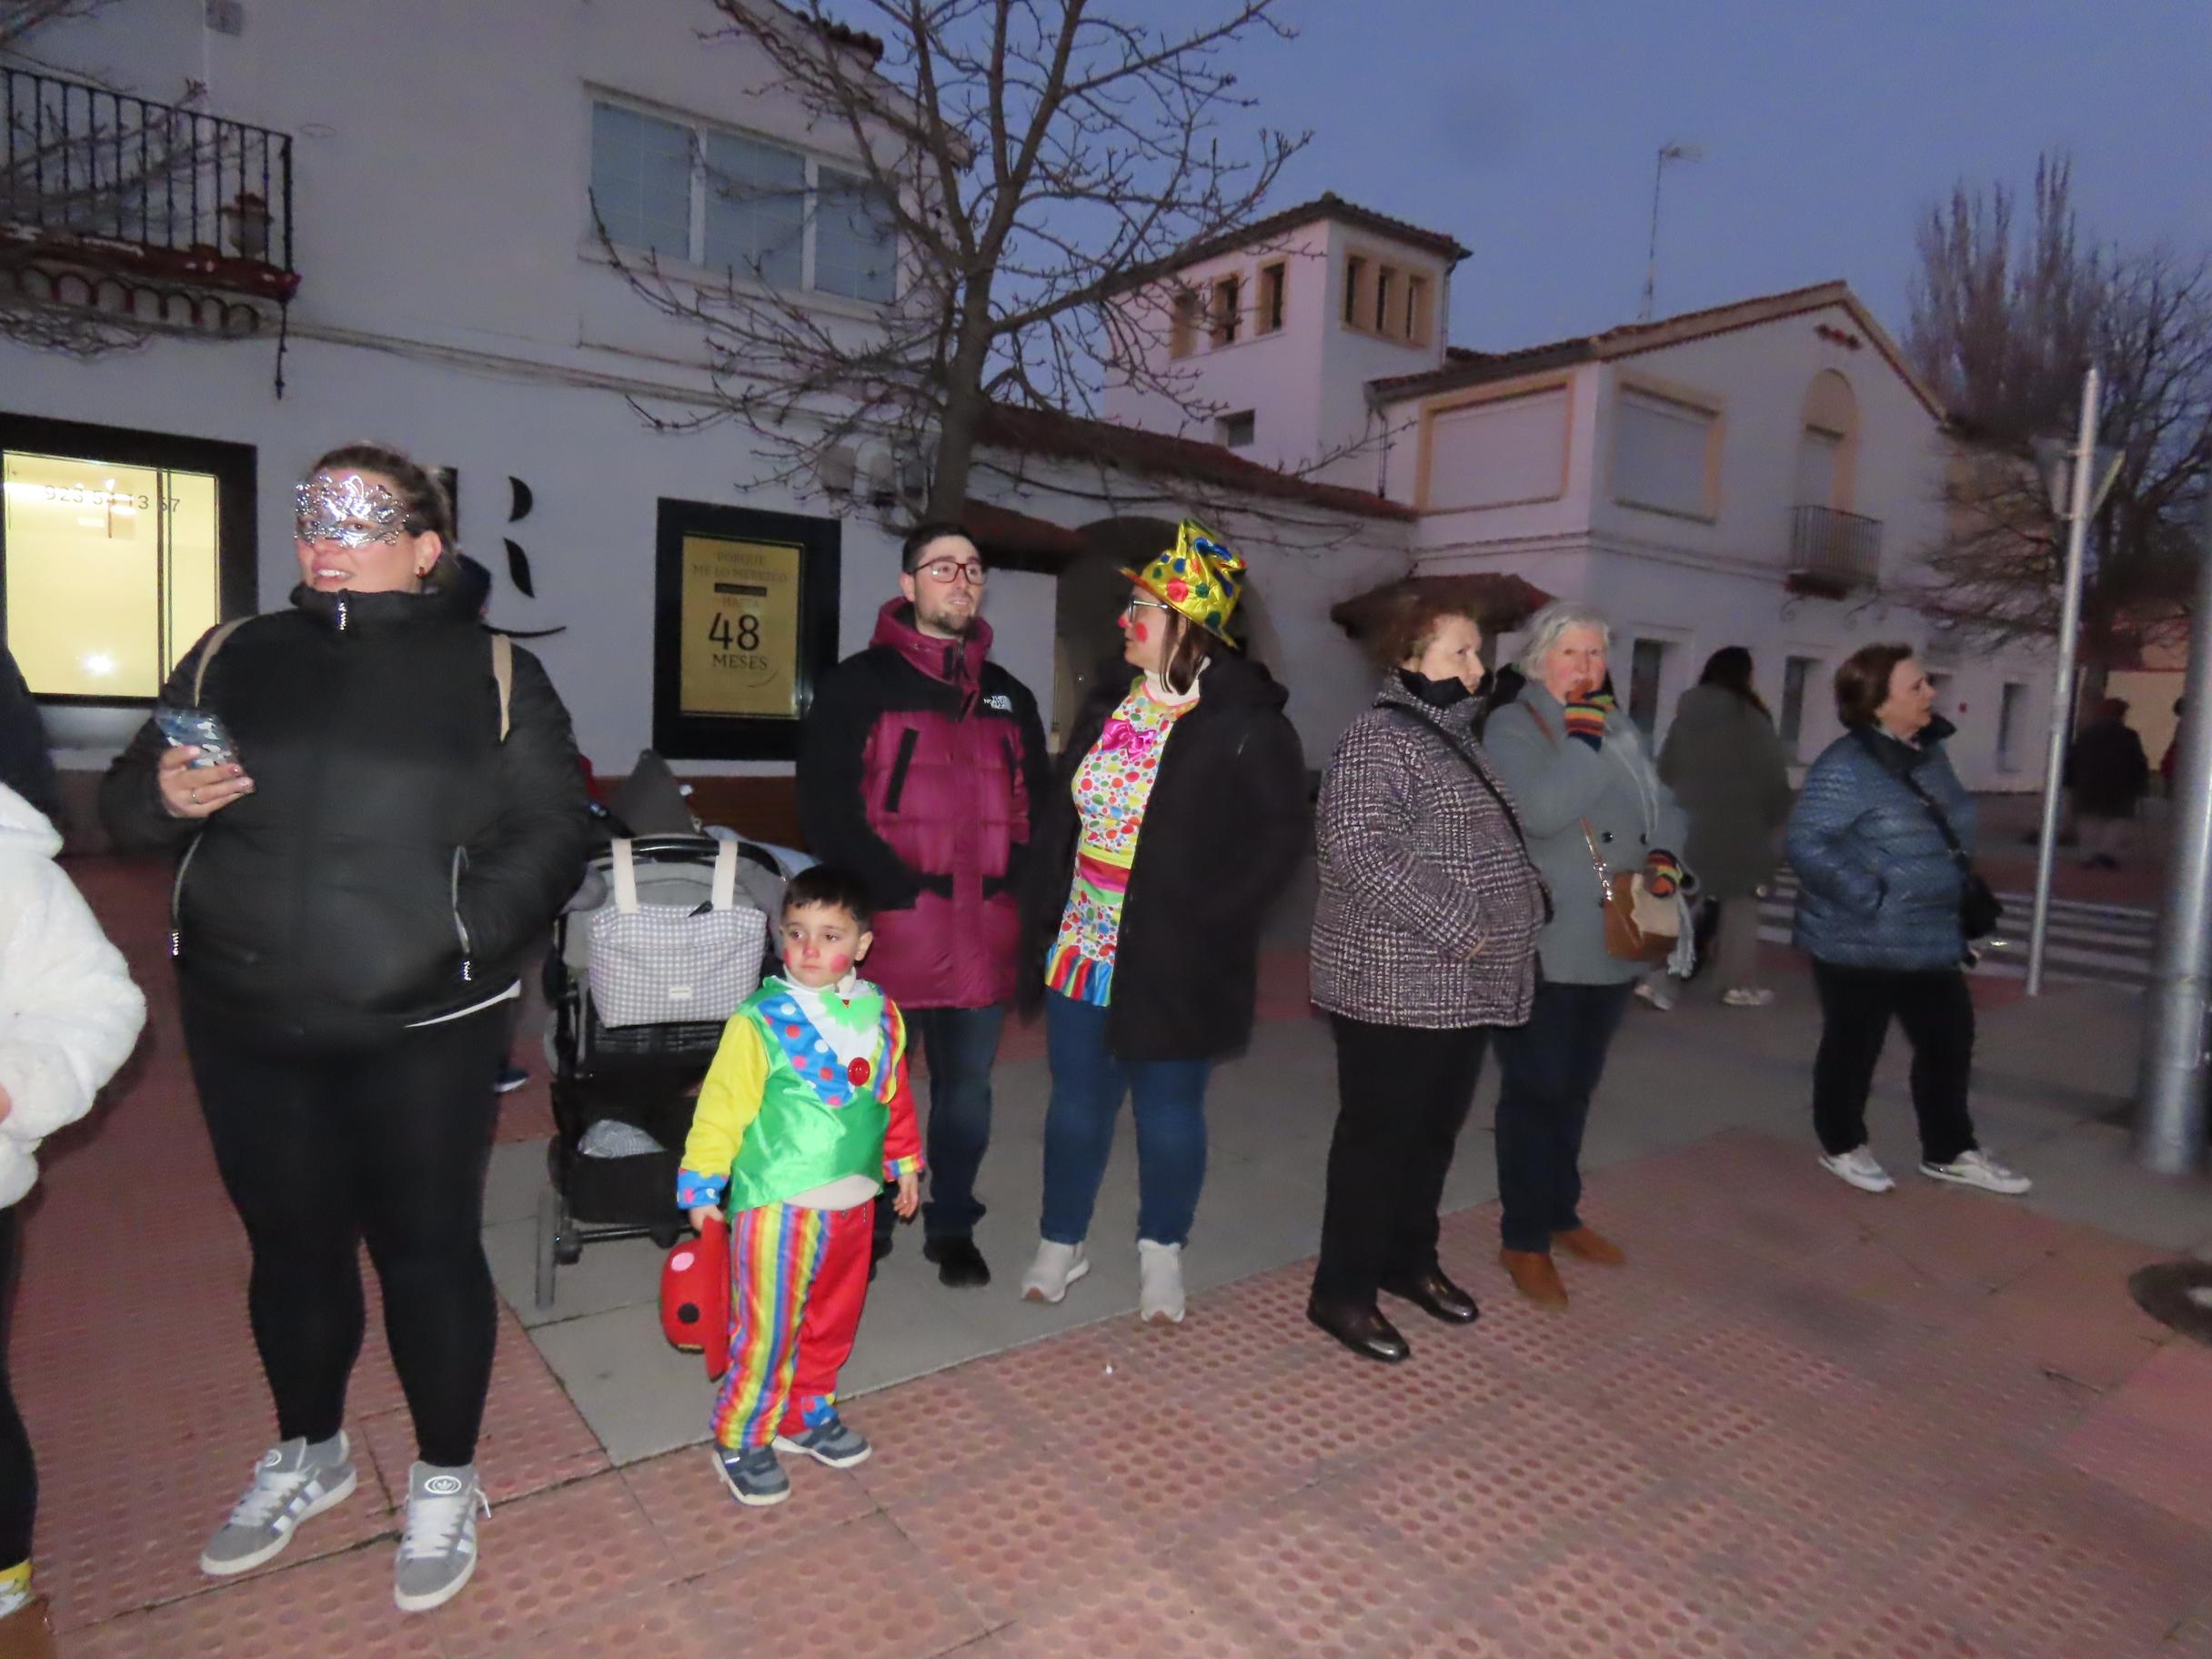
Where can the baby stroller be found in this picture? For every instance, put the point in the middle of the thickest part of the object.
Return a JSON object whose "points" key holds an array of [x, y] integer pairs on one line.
{"points": [[623, 1094]]}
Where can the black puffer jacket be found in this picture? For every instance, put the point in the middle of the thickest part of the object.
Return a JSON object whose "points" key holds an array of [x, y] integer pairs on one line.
{"points": [[396, 859], [1223, 831]]}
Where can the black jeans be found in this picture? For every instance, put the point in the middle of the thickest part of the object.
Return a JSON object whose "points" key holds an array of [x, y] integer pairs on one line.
{"points": [[961, 1044], [1937, 1014], [322, 1147], [1548, 1070], [18, 1473], [1402, 1095]]}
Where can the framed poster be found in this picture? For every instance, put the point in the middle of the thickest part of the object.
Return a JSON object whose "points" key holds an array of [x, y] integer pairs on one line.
{"points": [[745, 626]]}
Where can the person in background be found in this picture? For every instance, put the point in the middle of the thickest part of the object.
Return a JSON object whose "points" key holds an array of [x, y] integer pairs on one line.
{"points": [[1725, 764], [1425, 944], [1178, 815], [2171, 761], [68, 1018], [2109, 775], [919, 769], [1879, 891], [1588, 796], [27, 766]]}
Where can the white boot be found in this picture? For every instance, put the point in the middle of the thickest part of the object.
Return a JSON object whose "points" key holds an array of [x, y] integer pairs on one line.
{"points": [[1158, 1283], [1056, 1268]]}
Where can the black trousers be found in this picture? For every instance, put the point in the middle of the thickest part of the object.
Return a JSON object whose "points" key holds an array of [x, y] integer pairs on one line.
{"points": [[1402, 1096], [18, 1473], [321, 1148], [1856, 1005], [1548, 1070]]}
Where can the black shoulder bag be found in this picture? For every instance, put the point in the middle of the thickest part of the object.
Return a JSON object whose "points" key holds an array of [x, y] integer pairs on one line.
{"points": [[1512, 818], [1979, 910]]}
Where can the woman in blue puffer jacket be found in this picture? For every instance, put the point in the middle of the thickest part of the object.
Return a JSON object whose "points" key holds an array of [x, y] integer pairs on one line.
{"points": [[1878, 912]]}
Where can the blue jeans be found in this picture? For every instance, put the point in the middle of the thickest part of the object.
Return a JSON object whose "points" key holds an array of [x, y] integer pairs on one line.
{"points": [[960, 1045], [1088, 1082], [1548, 1070]]}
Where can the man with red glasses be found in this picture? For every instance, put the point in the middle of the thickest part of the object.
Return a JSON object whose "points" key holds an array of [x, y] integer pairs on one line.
{"points": [[920, 767]]}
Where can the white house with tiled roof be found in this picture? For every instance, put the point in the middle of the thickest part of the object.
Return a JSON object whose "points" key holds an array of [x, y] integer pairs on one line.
{"points": [[1765, 474]]}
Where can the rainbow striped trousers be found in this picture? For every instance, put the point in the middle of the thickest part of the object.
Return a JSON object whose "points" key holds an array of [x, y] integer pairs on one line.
{"points": [[797, 1281]]}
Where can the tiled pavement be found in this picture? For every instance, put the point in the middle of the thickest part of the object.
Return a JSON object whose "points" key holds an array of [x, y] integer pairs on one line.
{"points": [[1801, 1421]]}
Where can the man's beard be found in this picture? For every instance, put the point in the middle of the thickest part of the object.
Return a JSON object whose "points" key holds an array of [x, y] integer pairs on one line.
{"points": [[958, 625]]}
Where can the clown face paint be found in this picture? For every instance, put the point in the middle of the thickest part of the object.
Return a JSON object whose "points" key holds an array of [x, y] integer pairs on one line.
{"points": [[822, 943], [1145, 622]]}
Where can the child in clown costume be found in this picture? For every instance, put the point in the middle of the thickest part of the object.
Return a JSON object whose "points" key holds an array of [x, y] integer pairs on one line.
{"points": [[804, 1115]]}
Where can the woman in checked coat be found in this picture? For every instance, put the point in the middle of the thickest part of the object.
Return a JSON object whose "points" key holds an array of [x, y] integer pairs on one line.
{"points": [[1424, 939]]}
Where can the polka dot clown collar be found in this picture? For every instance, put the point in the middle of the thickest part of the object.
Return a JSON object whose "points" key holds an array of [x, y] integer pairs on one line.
{"points": [[1198, 577]]}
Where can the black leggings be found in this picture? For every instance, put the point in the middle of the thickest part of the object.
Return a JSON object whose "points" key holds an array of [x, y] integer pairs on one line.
{"points": [[323, 1147], [18, 1473]]}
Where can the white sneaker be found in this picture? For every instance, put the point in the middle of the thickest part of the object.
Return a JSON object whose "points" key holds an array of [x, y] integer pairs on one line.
{"points": [[290, 1485], [1158, 1283], [1056, 1268], [1858, 1167], [1748, 996], [1658, 990], [437, 1549], [1979, 1169]]}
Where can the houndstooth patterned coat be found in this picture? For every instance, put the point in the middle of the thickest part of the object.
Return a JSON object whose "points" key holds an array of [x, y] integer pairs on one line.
{"points": [[1429, 905]]}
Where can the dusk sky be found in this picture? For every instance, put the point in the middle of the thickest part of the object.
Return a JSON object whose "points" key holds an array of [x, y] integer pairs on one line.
{"points": [[1528, 132]]}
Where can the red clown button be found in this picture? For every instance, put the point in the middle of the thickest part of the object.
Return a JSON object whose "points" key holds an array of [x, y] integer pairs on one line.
{"points": [[858, 1074]]}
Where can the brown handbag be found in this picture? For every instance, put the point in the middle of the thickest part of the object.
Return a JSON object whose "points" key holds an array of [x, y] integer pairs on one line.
{"points": [[1635, 932]]}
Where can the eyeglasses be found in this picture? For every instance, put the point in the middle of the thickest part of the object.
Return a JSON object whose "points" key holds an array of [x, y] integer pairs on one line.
{"points": [[944, 570], [1145, 605]]}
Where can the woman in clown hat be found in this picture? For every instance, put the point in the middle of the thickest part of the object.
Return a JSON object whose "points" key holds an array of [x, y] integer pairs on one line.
{"points": [[1177, 817]]}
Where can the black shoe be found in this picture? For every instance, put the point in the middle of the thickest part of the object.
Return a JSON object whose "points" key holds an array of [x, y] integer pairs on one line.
{"points": [[1435, 1295], [1364, 1331], [958, 1262]]}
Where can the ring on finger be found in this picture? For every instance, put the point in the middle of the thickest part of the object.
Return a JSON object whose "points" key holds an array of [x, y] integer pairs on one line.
{"points": [[195, 798]]}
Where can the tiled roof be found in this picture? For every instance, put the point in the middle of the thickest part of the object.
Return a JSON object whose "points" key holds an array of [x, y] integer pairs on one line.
{"points": [[1467, 367], [1326, 206], [1043, 432]]}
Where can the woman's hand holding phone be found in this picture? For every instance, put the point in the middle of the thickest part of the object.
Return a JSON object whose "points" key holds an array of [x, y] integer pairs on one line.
{"points": [[198, 793]]}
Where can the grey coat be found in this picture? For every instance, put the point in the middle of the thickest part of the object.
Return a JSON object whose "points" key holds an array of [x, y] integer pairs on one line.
{"points": [[1727, 767], [1558, 782], [1428, 910]]}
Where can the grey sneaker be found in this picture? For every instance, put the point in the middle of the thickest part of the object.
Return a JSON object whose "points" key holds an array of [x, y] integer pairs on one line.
{"points": [[753, 1475], [292, 1481], [832, 1441], [437, 1548]]}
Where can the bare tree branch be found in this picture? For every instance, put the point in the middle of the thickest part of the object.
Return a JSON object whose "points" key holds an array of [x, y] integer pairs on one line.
{"points": [[1034, 161], [2005, 318]]}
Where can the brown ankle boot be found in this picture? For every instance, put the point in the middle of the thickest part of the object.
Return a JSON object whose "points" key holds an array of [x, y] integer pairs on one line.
{"points": [[1534, 1277], [25, 1633], [1587, 1246]]}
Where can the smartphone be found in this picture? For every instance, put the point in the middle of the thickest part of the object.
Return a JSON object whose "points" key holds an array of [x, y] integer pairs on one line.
{"points": [[199, 727]]}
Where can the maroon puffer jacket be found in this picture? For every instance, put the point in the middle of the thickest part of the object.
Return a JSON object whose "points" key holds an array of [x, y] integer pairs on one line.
{"points": [[918, 769]]}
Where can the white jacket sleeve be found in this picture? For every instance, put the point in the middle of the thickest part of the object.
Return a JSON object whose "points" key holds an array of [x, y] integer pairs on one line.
{"points": [[69, 1013]]}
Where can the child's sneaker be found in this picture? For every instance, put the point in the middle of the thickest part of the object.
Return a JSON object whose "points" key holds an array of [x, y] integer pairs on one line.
{"points": [[832, 1441], [753, 1475], [292, 1481]]}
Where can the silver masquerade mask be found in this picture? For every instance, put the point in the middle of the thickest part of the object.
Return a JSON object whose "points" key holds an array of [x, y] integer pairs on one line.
{"points": [[348, 511]]}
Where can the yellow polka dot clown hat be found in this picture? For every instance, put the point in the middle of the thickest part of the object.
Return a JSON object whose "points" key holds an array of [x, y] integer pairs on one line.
{"points": [[1198, 579]]}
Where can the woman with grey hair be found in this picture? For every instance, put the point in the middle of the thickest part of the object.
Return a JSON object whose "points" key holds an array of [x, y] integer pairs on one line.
{"points": [[1592, 804]]}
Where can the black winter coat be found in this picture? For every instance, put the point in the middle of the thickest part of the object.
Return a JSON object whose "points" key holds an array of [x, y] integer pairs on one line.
{"points": [[396, 859], [1223, 829]]}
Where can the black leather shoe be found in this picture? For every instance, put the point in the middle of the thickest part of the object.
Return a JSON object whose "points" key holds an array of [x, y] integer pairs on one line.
{"points": [[1435, 1295], [958, 1262], [1364, 1331]]}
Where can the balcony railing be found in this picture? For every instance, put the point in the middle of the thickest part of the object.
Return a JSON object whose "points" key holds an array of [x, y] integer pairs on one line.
{"points": [[1832, 553], [118, 182]]}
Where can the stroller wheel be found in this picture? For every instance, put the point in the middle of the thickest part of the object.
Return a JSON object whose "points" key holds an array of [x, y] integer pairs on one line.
{"points": [[548, 1243], [568, 1247]]}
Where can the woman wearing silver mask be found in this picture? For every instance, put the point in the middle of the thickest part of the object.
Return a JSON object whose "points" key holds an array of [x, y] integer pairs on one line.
{"points": [[400, 812]]}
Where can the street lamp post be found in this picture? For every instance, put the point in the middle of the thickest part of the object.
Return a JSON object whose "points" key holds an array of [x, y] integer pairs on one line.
{"points": [[2062, 692], [2170, 1097]]}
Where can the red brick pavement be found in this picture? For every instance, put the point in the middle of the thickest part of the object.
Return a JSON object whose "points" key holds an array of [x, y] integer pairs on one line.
{"points": [[1801, 1421]]}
